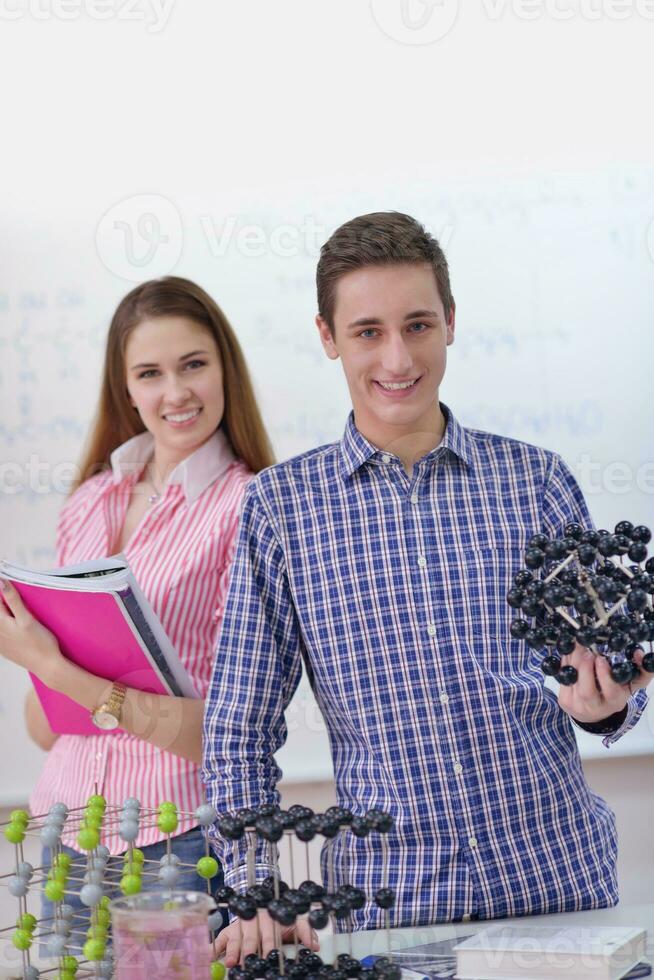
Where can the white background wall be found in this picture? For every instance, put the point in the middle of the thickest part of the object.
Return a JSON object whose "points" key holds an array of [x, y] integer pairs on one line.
{"points": [[224, 142]]}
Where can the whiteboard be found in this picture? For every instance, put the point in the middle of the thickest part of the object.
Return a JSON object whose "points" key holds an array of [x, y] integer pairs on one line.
{"points": [[553, 281]]}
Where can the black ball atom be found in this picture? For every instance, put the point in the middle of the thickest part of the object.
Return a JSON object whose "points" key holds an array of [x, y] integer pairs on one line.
{"points": [[550, 666], [385, 898], [318, 918], [567, 676]]}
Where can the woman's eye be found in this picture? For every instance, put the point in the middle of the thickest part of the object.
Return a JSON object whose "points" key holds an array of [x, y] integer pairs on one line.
{"points": [[195, 363], [148, 373]]}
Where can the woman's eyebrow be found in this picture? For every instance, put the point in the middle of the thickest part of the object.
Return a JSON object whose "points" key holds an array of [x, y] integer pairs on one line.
{"points": [[184, 357]]}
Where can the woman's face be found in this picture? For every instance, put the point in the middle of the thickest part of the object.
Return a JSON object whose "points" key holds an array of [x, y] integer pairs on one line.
{"points": [[175, 380]]}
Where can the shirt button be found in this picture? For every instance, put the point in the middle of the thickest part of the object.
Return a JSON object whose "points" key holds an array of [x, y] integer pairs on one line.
{"points": [[414, 498], [386, 458], [444, 698], [458, 768], [422, 561], [431, 630], [472, 841]]}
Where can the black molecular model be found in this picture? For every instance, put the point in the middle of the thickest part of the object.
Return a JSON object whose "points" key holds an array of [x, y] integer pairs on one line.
{"points": [[284, 902], [579, 589]]}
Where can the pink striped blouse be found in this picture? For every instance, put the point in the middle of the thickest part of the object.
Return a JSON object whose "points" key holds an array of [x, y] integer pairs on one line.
{"points": [[180, 554]]}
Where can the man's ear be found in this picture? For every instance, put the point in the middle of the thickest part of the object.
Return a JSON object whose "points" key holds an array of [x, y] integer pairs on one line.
{"points": [[326, 338], [450, 325]]}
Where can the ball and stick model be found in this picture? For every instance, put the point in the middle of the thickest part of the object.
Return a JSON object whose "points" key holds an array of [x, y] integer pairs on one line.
{"points": [[79, 940], [578, 588]]}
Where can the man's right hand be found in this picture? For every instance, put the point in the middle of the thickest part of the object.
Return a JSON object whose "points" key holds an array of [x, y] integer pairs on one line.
{"points": [[242, 937]]}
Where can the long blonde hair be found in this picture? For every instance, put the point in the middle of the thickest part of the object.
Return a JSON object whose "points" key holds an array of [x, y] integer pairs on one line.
{"points": [[117, 421]]}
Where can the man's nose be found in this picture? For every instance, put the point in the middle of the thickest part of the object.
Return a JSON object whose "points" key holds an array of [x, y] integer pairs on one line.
{"points": [[396, 357]]}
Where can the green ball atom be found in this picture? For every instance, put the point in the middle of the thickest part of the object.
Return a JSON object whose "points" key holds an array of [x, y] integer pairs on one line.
{"points": [[137, 855], [59, 874], [104, 902], [218, 970], [97, 800], [70, 963], [94, 814], [167, 822], [97, 932], [103, 917], [22, 939], [207, 867], [65, 975], [62, 860], [15, 833], [94, 949], [20, 816], [27, 921], [54, 890], [130, 884], [167, 807], [88, 838]]}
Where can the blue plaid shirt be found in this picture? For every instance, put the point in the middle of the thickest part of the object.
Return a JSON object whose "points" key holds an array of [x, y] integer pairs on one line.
{"points": [[391, 589]]}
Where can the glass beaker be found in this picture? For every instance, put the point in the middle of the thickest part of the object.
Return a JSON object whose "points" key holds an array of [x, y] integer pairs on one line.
{"points": [[162, 934]]}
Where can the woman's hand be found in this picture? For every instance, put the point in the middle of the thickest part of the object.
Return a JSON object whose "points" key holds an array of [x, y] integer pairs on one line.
{"points": [[23, 640], [596, 696]]}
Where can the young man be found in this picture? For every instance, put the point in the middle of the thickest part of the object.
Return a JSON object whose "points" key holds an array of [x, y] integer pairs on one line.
{"points": [[383, 562]]}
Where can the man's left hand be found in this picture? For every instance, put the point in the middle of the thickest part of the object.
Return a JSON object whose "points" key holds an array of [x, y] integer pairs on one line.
{"points": [[596, 695]]}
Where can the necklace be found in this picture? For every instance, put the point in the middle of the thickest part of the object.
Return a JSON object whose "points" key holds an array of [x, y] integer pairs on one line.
{"points": [[154, 497]]}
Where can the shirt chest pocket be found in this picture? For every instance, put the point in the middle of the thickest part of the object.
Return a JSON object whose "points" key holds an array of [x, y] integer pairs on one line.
{"points": [[477, 614]]}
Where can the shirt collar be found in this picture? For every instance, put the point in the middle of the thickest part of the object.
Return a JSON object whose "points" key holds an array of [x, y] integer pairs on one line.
{"points": [[356, 450], [194, 474]]}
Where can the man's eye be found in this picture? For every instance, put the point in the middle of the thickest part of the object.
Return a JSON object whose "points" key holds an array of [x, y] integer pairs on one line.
{"points": [[368, 332], [419, 327]]}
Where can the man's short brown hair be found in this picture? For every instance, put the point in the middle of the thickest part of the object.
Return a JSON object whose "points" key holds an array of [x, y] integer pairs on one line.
{"points": [[381, 238]]}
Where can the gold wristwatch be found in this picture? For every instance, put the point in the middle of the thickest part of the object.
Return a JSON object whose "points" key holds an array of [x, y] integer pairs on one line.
{"points": [[107, 716]]}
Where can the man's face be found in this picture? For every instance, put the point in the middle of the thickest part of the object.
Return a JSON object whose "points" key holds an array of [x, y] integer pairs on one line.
{"points": [[392, 335]]}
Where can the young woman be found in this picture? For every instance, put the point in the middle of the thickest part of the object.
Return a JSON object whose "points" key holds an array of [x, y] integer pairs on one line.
{"points": [[177, 436]]}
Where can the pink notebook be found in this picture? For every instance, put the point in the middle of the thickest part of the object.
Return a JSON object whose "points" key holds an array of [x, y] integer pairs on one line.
{"points": [[104, 624]]}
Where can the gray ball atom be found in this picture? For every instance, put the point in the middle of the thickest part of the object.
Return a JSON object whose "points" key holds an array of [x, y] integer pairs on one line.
{"points": [[60, 808], [61, 927], [128, 830], [50, 835], [66, 911], [102, 851], [168, 875], [131, 801], [94, 876], [91, 895], [18, 887], [206, 815], [55, 818], [105, 968], [169, 859], [215, 921], [56, 945], [24, 870], [31, 973]]}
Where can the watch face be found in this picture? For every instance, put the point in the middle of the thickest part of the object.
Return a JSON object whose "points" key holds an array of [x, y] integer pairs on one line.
{"points": [[105, 720]]}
